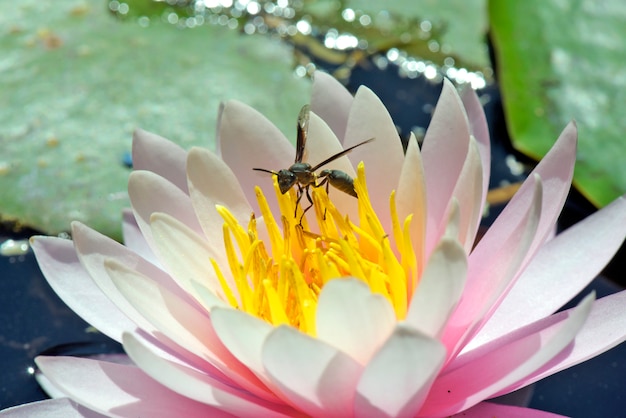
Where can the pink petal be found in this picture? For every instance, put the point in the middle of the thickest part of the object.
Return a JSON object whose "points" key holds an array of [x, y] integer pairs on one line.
{"points": [[444, 152], [200, 386], [488, 409], [555, 170], [52, 408], [180, 322], [485, 372], [488, 282], [186, 256], [166, 312], [316, 377], [93, 249], [151, 193], [439, 288], [92, 296], [480, 131], [357, 328], [244, 336], [331, 101], [163, 347], [411, 198], [397, 380], [119, 390], [247, 140], [211, 182], [383, 157], [70, 281], [561, 269], [154, 153], [134, 239], [604, 329]]}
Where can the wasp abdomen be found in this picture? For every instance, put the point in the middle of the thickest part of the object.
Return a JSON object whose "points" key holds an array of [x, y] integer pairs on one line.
{"points": [[340, 180]]}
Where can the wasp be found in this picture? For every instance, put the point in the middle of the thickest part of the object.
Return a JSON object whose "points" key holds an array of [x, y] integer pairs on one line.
{"points": [[303, 176]]}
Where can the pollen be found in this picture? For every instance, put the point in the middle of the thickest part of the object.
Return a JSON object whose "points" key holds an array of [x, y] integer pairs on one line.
{"points": [[278, 278]]}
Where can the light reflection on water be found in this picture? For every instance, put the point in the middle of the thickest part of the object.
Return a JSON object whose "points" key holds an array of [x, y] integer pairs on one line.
{"points": [[346, 41]]}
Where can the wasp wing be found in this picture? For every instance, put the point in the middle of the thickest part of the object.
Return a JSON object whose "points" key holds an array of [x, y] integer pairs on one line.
{"points": [[302, 129], [340, 154]]}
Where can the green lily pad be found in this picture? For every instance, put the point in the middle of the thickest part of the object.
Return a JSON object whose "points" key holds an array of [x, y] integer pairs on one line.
{"points": [[76, 83], [559, 61]]}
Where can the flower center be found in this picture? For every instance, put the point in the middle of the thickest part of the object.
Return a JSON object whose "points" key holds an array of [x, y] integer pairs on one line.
{"points": [[282, 286]]}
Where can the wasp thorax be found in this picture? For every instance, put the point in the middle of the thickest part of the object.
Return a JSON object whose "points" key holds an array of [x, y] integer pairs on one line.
{"points": [[303, 175]]}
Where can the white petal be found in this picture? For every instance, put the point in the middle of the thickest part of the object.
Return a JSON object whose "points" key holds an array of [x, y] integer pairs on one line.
{"points": [[151, 193], [468, 192], [154, 153], [247, 139], [439, 288], [94, 248], [480, 131], [186, 255], [322, 144], [211, 182], [444, 152], [350, 317], [134, 239], [181, 322], [316, 377], [411, 197], [207, 298], [331, 101], [397, 380], [168, 314], [243, 335], [60, 265], [383, 157]]}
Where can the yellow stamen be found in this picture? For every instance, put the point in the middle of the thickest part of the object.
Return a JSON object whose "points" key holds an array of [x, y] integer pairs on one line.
{"points": [[395, 222], [283, 287], [270, 223], [230, 297]]}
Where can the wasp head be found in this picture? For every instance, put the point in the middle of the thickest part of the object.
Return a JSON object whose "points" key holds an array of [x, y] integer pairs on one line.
{"points": [[286, 180]]}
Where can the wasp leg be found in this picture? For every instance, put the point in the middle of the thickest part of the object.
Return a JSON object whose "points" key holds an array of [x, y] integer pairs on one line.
{"points": [[326, 182], [295, 211]]}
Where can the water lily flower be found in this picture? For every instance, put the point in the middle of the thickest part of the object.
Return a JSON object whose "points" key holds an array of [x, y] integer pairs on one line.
{"points": [[381, 306]]}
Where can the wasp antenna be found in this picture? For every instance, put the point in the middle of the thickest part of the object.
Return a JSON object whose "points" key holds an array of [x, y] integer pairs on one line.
{"points": [[265, 171]]}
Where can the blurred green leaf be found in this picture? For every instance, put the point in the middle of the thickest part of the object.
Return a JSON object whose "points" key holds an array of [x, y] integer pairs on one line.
{"points": [[463, 23], [559, 61], [75, 83]]}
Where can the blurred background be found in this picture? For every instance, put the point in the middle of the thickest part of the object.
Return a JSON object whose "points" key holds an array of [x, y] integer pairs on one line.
{"points": [[77, 77]]}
